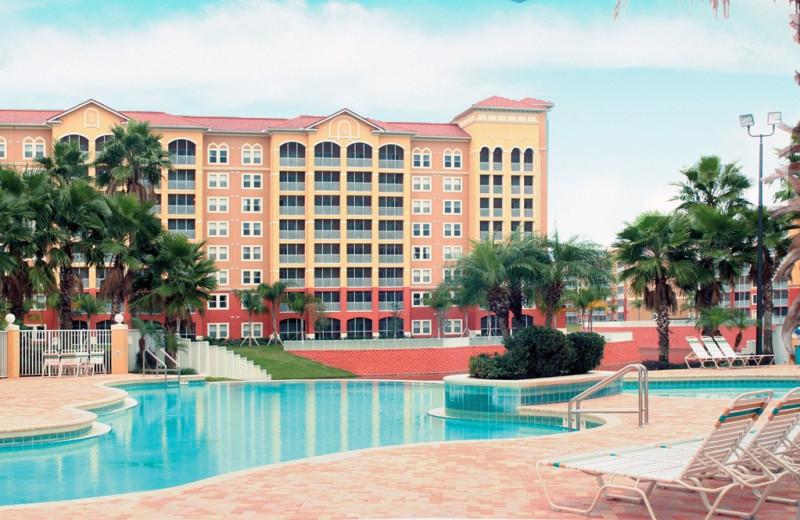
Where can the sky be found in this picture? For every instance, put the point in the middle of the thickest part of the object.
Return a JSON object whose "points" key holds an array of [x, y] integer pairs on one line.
{"points": [[637, 99]]}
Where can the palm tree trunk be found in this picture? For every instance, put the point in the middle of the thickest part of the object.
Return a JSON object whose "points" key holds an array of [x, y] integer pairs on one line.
{"points": [[662, 324], [769, 305], [65, 274], [502, 320], [548, 318]]}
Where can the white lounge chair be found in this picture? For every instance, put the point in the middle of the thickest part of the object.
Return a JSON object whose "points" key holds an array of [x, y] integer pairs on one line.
{"points": [[710, 468], [51, 360], [698, 353], [97, 359], [728, 351], [75, 360], [717, 354]]}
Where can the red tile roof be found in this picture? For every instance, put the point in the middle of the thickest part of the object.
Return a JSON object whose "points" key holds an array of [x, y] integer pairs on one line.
{"points": [[433, 129], [298, 122], [501, 102], [236, 124], [161, 119], [26, 117]]}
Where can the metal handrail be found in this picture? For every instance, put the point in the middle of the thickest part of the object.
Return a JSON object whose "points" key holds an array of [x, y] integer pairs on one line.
{"points": [[158, 362], [644, 397], [174, 362]]}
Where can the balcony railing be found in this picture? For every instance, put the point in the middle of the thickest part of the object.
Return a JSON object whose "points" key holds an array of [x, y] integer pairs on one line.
{"points": [[189, 233], [291, 234], [292, 210], [515, 190], [390, 282], [497, 167], [327, 259], [484, 212], [330, 162], [385, 211], [741, 304], [181, 185], [497, 189], [514, 166], [484, 188], [292, 259], [742, 287], [327, 234], [182, 159], [390, 163], [156, 209], [780, 302], [390, 235], [497, 213], [294, 282], [326, 186], [327, 210], [515, 212], [359, 234], [390, 306], [484, 166], [384, 187], [359, 282], [359, 162], [528, 167], [390, 259], [181, 209], [359, 259], [292, 186], [528, 213], [332, 306], [359, 186], [528, 190], [327, 282], [78, 258], [293, 162], [359, 210], [359, 306]]}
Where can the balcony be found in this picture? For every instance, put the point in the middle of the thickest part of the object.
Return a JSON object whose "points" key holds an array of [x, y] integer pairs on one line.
{"points": [[292, 259], [390, 259], [181, 185], [498, 190], [181, 209], [389, 306], [360, 282], [327, 234], [390, 282], [359, 306], [515, 189], [780, 302], [293, 162], [390, 235], [78, 258], [484, 188], [484, 166], [294, 282], [741, 304], [156, 209], [484, 212], [327, 282], [188, 233], [384, 187], [528, 190], [483, 235], [359, 259], [292, 210], [327, 210], [359, 234], [327, 259], [180, 159], [742, 287], [515, 212], [497, 213], [326, 186], [497, 167], [359, 186], [514, 167], [291, 234], [528, 167], [396, 164], [332, 306], [359, 210], [528, 213], [385, 211], [359, 162], [292, 186], [328, 162]]}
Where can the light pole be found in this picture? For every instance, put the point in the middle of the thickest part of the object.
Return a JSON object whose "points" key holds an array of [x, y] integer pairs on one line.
{"points": [[773, 118]]}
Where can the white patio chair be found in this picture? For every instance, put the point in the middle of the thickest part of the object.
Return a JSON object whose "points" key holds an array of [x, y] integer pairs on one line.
{"points": [[698, 353], [75, 361], [711, 468], [97, 359], [717, 354], [51, 360], [726, 349]]}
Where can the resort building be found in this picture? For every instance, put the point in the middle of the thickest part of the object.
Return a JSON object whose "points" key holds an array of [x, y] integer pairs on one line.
{"points": [[365, 214]]}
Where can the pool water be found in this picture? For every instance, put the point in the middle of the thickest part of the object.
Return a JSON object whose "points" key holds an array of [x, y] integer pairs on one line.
{"points": [[183, 434], [727, 388]]}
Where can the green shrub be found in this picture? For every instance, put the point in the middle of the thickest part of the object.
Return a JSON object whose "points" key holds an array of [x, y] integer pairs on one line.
{"points": [[530, 353], [587, 350]]}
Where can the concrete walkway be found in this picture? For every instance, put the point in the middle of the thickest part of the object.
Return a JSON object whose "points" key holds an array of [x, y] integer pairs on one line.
{"points": [[467, 479]]}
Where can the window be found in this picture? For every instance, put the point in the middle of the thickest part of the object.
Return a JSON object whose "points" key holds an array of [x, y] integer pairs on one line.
{"points": [[421, 207], [251, 253], [252, 154], [421, 253], [448, 274], [452, 326], [251, 229], [218, 180], [452, 184], [217, 301], [218, 253], [422, 158], [418, 298], [222, 277], [251, 181], [218, 154], [33, 148], [452, 207], [452, 252], [251, 205], [251, 276], [452, 230], [421, 327], [421, 229], [218, 229], [258, 330], [421, 276], [420, 183], [2, 148], [181, 151], [218, 330], [217, 204], [452, 159]]}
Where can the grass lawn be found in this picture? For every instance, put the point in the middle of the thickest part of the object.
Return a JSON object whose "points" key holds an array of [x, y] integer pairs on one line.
{"points": [[285, 365]]}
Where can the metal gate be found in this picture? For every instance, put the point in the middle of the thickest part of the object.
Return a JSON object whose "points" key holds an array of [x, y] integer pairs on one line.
{"points": [[34, 342]]}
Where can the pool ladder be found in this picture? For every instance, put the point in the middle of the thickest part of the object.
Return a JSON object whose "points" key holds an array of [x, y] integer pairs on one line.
{"points": [[574, 407], [161, 364]]}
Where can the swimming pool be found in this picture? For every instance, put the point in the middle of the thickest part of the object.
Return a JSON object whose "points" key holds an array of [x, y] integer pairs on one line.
{"points": [[180, 434], [726, 388]]}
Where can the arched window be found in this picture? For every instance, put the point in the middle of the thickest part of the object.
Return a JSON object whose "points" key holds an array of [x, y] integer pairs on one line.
{"points": [[490, 325], [101, 142], [3, 150], [104, 325], [359, 328], [291, 329], [359, 155], [391, 327], [484, 159], [181, 151], [390, 156], [497, 159], [329, 328], [252, 154], [452, 158], [218, 153], [327, 154], [293, 154], [527, 160], [81, 142], [515, 157], [421, 158]]}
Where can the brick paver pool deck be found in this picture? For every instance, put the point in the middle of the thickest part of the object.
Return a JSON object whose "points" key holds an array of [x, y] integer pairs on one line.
{"points": [[466, 479]]}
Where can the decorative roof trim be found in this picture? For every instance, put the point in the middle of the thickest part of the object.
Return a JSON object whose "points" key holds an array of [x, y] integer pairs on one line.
{"points": [[350, 113], [55, 119]]}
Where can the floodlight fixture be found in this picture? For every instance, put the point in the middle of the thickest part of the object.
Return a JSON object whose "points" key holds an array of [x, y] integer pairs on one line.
{"points": [[774, 118], [746, 120]]}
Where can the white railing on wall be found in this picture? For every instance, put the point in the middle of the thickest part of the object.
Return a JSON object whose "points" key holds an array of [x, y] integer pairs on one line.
{"points": [[34, 342], [392, 344], [3, 355]]}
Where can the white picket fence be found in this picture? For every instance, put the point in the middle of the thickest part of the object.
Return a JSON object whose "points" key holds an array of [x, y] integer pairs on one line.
{"points": [[69, 341]]}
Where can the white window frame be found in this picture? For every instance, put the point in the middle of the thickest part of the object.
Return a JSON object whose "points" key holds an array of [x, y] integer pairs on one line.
{"points": [[421, 158], [218, 181], [258, 327], [220, 330], [421, 253], [448, 274], [421, 327], [3, 148], [453, 184], [251, 275], [217, 204], [418, 298], [454, 156], [217, 253], [420, 183], [222, 276], [449, 329], [219, 150], [252, 253], [421, 207], [251, 178], [253, 224], [451, 252], [421, 276], [257, 204], [453, 205], [218, 301], [37, 147], [220, 227], [452, 230], [421, 229], [255, 154]]}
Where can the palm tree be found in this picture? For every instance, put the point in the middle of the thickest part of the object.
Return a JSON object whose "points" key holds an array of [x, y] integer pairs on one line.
{"points": [[741, 322], [252, 303], [654, 249], [587, 299], [711, 319], [133, 159], [637, 304], [711, 183], [90, 306], [180, 278], [274, 294], [308, 307], [440, 301]]}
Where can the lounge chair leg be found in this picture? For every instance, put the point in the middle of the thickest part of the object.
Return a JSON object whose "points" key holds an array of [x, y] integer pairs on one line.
{"points": [[557, 507]]}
